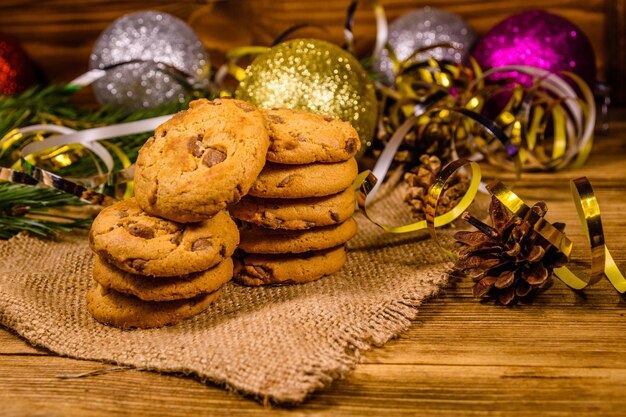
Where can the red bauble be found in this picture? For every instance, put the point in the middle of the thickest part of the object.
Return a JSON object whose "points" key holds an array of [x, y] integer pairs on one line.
{"points": [[16, 69]]}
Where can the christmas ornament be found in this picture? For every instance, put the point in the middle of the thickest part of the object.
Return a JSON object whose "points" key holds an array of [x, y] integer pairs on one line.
{"points": [[421, 29], [421, 178], [538, 39], [151, 58], [508, 259], [313, 75], [16, 70]]}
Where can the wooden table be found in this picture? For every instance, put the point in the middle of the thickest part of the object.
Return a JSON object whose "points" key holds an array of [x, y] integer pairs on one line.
{"points": [[562, 354]]}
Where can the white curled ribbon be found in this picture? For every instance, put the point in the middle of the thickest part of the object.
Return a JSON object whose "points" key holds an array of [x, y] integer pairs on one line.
{"points": [[89, 139]]}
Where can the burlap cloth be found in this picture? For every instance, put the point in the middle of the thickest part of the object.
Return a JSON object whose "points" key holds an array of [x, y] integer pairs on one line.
{"points": [[277, 343]]}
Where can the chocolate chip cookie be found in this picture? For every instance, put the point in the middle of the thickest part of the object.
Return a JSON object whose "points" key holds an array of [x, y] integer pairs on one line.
{"points": [[259, 240], [125, 311], [288, 269], [301, 181], [300, 137], [162, 288], [295, 214], [201, 160], [136, 242]]}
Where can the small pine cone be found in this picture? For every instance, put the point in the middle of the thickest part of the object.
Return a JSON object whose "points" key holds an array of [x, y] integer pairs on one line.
{"points": [[509, 259], [420, 180], [430, 139]]}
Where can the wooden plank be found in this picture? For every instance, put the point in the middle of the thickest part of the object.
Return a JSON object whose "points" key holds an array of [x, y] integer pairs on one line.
{"points": [[11, 344], [372, 390], [460, 355], [616, 42]]}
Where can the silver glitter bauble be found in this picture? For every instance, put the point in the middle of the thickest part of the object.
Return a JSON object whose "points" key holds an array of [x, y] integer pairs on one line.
{"points": [[152, 37], [423, 28]]}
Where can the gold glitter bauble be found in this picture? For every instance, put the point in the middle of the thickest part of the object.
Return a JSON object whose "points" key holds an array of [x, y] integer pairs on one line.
{"points": [[313, 75]]}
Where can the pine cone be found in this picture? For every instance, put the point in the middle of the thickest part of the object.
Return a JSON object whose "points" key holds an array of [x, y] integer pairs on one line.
{"points": [[420, 180], [431, 139], [507, 260]]}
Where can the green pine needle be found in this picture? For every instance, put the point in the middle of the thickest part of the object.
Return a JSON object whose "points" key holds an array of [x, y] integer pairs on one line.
{"points": [[27, 208], [53, 105]]}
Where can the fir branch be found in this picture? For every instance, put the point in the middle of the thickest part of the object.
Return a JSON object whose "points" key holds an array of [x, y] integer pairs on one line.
{"points": [[44, 211], [37, 210], [53, 105]]}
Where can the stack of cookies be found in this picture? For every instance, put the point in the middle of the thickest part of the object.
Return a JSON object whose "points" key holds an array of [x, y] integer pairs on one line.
{"points": [[298, 214], [151, 271], [164, 255]]}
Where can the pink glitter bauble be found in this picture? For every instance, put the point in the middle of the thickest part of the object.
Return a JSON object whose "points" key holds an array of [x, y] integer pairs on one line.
{"points": [[538, 39]]}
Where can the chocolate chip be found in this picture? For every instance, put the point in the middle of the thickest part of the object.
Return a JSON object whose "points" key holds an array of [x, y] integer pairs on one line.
{"points": [[177, 237], [163, 133], [223, 251], [201, 244], [270, 220], [215, 103], [351, 145], [213, 157], [258, 271], [140, 230], [245, 107], [335, 216], [195, 147], [137, 264], [237, 193], [275, 118], [152, 196], [290, 145], [328, 119], [302, 138], [285, 181], [122, 214], [105, 254]]}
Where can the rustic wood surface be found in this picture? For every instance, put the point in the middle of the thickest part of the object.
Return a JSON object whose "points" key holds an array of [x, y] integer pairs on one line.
{"points": [[59, 34], [564, 353]]}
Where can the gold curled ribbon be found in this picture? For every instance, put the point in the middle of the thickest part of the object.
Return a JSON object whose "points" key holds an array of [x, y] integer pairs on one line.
{"points": [[550, 122], [230, 67], [366, 181], [602, 263], [39, 177]]}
